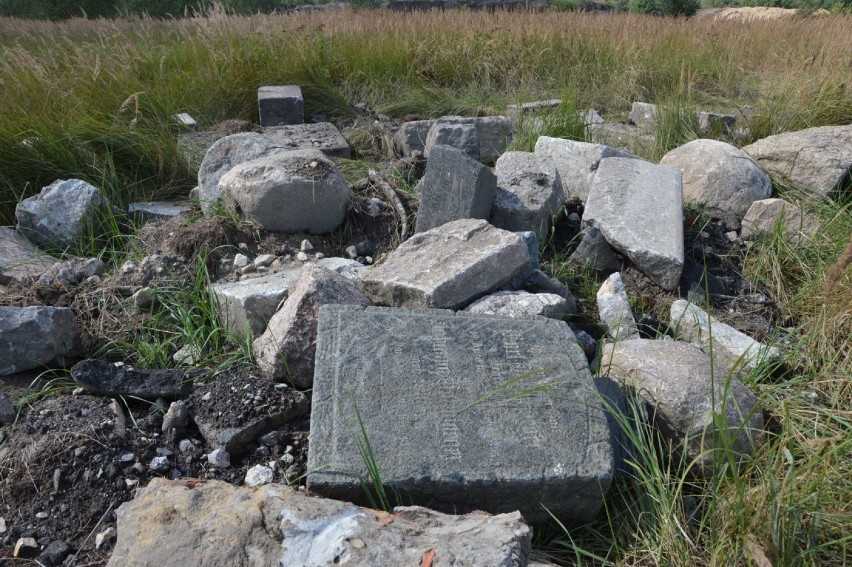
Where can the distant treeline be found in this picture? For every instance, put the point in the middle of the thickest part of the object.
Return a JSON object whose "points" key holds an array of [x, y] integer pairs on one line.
{"points": [[63, 9]]}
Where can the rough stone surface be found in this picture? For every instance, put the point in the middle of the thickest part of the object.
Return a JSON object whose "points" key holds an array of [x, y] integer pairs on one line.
{"points": [[677, 380], [644, 115], [349, 269], [623, 136], [72, 272], [455, 186], [817, 159], [252, 303], [154, 210], [20, 259], [520, 304], [462, 412], [259, 475], [614, 309], [514, 112], [594, 252], [450, 131], [54, 553], [411, 137], [286, 349], [763, 216], [576, 163], [448, 267], [107, 379], [490, 137], [638, 207], [61, 214], [718, 175], [529, 193], [280, 105], [209, 523], [714, 122], [322, 136], [7, 410], [298, 191], [694, 325], [224, 155], [539, 282], [35, 337]]}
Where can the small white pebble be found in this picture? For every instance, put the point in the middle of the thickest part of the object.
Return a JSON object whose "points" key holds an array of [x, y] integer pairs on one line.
{"points": [[306, 246], [241, 261], [302, 257]]}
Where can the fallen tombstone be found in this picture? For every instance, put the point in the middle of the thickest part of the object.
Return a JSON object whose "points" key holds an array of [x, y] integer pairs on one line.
{"points": [[209, 522], [528, 194], [455, 186], [20, 259], [62, 214], [576, 163], [285, 351], [695, 326], [638, 207], [460, 411], [448, 267], [35, 337], [108, 379], [293, 192], [718, 175], [816, 159], [280, 105], [695, 404]]}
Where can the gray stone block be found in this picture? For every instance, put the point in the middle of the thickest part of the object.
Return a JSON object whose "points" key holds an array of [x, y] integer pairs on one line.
{"points": [[529, 193], [184, 119], [20, 259], [713, 123], [62, 214], [36, 337], [539, 282], [644, 115], [614, 309], [280, 105], [594, 252], [515, 112], [298, 191], [763, 216], [517, 304], [490, 137], [694, 402], [455, 186], [155, 210], [462, 412], [323, 137], [411, 137], [448, 267], [576, 163], [252, 303], [638, 207], [455, 132]]}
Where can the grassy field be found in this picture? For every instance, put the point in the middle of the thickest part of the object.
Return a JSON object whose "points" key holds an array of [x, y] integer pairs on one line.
{"points": [[92, 100]]}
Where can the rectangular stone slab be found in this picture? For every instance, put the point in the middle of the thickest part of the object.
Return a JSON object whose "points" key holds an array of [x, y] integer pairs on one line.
{"points": [[280, 105], [462, 412]]}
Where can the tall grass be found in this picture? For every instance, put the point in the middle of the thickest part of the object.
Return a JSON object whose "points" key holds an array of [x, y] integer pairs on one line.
{"points": [[92, 99]]}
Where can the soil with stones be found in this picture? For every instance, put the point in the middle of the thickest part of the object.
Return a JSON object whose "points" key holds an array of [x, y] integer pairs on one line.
{"points": [[71, 459]]}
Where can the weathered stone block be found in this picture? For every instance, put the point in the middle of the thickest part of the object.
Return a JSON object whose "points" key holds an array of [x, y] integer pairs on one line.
{"points": [[764, 215], [638, 207], [34, 337], [455, 186], [448, 267], [576, 163], [594, 252], [280, 105], [644, 115], [20, 259], [462, 412], [614, 309], [529, 193], [153, 210], [252, 303], [518, 304], [411, 137], [490, 137], [214, 523], [298, 191]]}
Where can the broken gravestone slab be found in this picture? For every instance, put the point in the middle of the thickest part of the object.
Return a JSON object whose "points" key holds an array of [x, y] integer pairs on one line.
{"points": [[455, 186], [528, 195], [20, 259], [638, 207], [109, 379], [462, 412], [250, 304], [38, 336], [448, 267], [210, 522]]}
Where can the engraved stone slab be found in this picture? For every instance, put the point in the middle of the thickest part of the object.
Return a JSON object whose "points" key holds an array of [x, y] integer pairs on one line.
{"points": [[462, 412]]}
